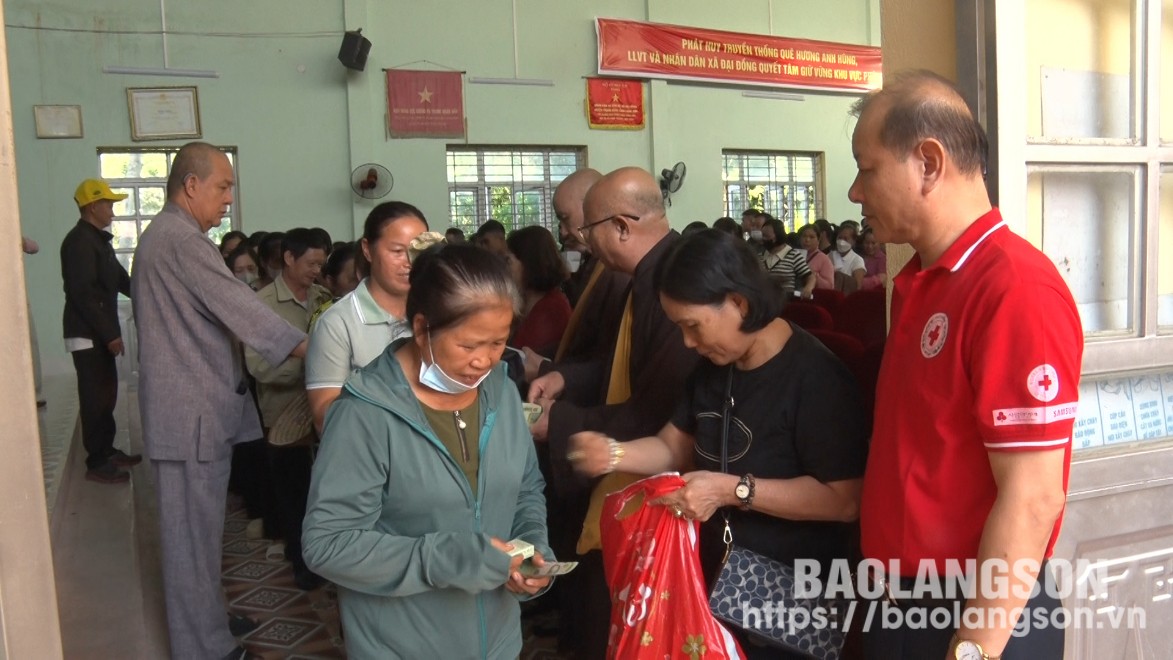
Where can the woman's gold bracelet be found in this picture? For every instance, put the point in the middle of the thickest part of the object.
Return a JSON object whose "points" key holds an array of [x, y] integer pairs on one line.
{"points": [[617, 453]]}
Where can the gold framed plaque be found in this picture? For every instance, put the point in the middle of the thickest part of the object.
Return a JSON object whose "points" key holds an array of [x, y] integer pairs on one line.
{"points": [[163, 113]]}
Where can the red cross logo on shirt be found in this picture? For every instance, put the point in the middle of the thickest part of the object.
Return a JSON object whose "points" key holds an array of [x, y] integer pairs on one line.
{"points": [[1043, 383], [932, 338], [933, 335]]}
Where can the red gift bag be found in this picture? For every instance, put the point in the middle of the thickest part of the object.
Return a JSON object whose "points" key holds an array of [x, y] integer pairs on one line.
{"points": [[659, 605]]}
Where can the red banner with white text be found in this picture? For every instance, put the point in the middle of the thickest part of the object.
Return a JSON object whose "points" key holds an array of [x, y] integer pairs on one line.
{"points": [[427, 104], [615, 103], [656, 50]]}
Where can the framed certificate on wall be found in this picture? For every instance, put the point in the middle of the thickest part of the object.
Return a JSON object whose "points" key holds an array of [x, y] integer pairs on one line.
{"points": [[58, 121], [163, 113]]}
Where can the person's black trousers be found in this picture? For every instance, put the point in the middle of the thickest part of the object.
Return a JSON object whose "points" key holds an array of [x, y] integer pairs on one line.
{"points": [[251, 479], [97, 394], [291, 470]]}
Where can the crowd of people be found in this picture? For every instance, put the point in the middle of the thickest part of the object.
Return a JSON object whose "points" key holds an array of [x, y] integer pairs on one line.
{"points": [[820, 255], [368, 400], [846, 257]]}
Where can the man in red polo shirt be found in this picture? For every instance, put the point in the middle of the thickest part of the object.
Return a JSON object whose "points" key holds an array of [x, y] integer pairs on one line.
{"points": [[978, 389]]}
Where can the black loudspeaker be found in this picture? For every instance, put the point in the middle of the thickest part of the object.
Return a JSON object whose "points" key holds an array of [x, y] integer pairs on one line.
{"points": [[355, 48]]}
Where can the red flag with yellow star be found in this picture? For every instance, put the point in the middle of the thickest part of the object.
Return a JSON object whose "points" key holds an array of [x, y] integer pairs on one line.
{"points": [[425, 104]]}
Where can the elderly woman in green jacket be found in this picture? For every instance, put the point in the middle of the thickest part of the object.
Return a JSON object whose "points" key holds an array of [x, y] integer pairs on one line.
{"points": [[426, 473]]}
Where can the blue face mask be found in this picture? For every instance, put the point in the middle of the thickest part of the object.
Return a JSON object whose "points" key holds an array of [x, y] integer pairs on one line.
{"points": [[433, 377]]}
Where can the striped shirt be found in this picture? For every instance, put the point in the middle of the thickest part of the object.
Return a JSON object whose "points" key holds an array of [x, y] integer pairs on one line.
{"points": [[786, 267]]}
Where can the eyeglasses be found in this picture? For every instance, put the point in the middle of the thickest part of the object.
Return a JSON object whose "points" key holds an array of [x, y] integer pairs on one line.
{"points": [[584, 230]]}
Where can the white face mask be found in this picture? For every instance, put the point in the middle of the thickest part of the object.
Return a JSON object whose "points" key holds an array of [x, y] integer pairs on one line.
{"points": [[843, 246], [248, 277], [433, 377], [572, 259]]}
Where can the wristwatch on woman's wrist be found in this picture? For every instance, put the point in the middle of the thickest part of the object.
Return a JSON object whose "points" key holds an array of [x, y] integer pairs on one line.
{"points": [[745, 491], [964, 649]]}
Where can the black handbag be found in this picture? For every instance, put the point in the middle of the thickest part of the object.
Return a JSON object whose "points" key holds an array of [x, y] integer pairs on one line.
{"points": [[749, 581]]}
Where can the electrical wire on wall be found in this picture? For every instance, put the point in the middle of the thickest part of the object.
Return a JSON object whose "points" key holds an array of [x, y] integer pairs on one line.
{"points": [[163, 32], [333, 34]]}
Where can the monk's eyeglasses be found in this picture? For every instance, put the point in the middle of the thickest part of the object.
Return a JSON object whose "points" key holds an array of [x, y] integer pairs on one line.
{"points": [[585, 229]]}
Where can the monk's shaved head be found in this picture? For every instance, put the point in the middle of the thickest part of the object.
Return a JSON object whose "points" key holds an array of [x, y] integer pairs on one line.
{"points": [[629, 190], [625, 211], [567, 203], [573, 189], [194, 158]]}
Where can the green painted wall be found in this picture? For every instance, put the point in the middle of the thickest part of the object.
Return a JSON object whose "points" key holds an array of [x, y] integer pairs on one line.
{"points": [[301, 121]]}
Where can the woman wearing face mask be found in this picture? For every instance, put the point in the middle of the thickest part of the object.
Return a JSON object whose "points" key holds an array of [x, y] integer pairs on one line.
{"points": [[785, 266], [243, 263], [426, 472], [844, 258]]}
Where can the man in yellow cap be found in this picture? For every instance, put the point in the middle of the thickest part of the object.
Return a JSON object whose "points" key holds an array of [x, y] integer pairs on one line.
{"points": [[93, 278]]}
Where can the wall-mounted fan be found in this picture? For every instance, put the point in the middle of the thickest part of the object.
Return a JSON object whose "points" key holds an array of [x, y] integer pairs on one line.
{"points": [[371, 181], [671, 180]]}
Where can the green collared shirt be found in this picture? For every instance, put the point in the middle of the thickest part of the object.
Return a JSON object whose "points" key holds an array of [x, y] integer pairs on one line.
{"points": [[278, 385]]}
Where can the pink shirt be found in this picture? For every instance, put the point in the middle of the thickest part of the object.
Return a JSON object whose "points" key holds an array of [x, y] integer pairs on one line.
{"points": [[823, 268]]}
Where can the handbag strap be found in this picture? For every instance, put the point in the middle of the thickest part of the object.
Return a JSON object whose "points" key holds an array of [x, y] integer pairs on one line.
{"points": [[726, 413], [726, 409]]}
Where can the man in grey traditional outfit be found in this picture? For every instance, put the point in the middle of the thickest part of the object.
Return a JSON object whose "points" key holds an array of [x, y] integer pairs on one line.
{"points": [[191, 312]]}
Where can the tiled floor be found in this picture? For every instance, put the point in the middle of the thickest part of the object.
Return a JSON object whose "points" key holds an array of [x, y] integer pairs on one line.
{"points": [[294, 623]]}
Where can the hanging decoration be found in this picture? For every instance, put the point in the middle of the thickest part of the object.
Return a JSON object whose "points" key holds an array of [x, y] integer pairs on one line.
{"points": [[656, 50], [615, 103], [425, 104]]}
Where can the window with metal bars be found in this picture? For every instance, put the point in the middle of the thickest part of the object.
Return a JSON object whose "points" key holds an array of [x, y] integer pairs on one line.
{"points": [[786, 184], [141, 175], [513, 185]]}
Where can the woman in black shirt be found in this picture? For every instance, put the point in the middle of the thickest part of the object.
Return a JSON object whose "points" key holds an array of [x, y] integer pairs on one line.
{"points": [[798, 432]]}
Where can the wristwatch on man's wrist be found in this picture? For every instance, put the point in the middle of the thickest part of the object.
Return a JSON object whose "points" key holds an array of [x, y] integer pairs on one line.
{"points": [[745, 491], [964, 649]]}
